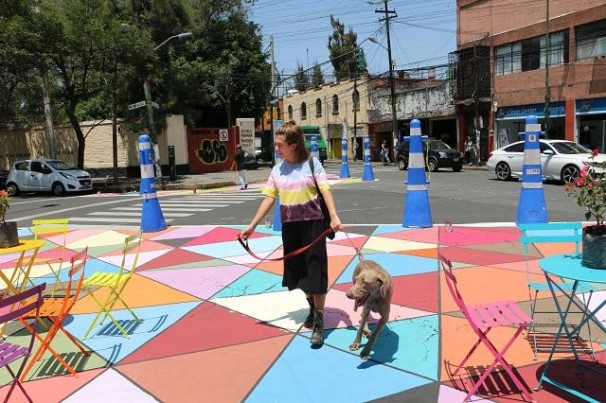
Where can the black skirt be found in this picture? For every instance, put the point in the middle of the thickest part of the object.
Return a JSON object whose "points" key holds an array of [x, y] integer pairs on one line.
{"points": [[307, 271]]}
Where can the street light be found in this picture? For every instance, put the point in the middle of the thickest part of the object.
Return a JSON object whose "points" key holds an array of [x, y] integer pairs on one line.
{"points": [[150, 107]]}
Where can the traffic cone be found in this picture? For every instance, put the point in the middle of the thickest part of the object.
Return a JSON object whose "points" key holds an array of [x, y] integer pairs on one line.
{"points": [[417, 212], [344, 166], [368, 174], [531, 205], [152, 219]]}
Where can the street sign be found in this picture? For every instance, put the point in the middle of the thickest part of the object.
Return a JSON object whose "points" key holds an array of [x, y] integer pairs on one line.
{"points": [[155, 105], [136, 105], [223, 135]]}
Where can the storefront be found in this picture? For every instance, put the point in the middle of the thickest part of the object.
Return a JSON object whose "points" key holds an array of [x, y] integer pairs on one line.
{"points": [[591, 119], [510, 121]]}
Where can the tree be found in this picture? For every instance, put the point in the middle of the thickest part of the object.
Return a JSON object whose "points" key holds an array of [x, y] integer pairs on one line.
{"points": [[317, 77], [342, 48], [301, 78]]}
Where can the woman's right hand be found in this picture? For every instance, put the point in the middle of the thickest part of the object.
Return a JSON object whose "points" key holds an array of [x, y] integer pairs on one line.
{"points": [[246, 232]]}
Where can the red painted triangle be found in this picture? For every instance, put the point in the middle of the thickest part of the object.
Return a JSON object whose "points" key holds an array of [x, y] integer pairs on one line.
{"points": [[220, 234], [175, 257]]}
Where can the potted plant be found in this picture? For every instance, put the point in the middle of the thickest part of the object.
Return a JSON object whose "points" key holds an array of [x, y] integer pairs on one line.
{"points": [[589, 189], [8, 230]]}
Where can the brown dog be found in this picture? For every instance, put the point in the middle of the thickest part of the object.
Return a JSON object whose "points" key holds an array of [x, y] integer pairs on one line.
{"points": [[372, 289]]}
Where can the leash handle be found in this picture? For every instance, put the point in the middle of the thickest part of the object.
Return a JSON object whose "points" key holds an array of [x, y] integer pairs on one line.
{"points": [[244, 244]]}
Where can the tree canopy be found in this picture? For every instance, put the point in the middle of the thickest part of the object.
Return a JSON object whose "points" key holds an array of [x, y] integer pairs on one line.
{"points": [[342, 46]]}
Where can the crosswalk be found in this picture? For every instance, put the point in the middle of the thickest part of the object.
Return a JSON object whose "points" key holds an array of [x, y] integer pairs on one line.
{"points": [[173, 207]]}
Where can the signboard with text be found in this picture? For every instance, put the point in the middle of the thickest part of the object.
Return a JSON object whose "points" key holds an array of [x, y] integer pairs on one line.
{"points": [[247, 134]]}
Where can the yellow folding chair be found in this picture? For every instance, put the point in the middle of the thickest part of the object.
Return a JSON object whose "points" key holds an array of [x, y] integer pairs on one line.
{"points": [[115, 283], [47, 227]]}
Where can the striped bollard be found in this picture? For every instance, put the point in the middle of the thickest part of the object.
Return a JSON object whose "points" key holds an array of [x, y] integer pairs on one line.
{"points": [[531, 205], [277, 224], [344, 166], [368, 174], [152, 219], [315, 152], [417, 212]]}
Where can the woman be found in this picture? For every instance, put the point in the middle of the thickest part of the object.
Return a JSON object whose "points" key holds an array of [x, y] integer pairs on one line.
{"points": [[293, 181]]}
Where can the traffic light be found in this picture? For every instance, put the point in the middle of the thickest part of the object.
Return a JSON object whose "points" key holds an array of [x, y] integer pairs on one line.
{"points": [[360, 60]]}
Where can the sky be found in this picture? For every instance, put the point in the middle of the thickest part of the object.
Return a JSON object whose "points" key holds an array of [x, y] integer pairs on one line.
{"points": [[423, 33]]}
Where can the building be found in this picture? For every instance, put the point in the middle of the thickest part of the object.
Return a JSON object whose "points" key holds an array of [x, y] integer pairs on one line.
{"points": [[544, 58]]}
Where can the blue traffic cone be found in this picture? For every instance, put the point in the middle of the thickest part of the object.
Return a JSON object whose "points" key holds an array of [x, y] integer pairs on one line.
{"points": [[417, 212], [368, 174], [531, 204], [315, 151], [344, 167], [152, 219]]}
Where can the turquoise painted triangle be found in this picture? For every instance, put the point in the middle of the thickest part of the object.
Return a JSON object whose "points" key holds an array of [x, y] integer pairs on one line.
{"points": [[253, 282]]}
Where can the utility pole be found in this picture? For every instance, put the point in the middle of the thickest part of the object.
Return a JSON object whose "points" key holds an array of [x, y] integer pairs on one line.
{"points": [[271, 101], [394, 118], [48, 114], [476, 102], [547, 56]]}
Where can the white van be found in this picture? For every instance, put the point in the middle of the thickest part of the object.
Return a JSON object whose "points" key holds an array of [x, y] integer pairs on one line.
{"points": [[46, 176]]}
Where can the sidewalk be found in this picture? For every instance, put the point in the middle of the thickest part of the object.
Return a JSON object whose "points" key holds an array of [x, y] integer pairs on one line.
{"points": [[219, 327]]}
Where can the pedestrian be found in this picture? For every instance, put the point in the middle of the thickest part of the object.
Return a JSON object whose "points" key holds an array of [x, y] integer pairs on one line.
{"points": [[293, 181], [468, 151], [238, 165], [384, 153], [355, 150]]}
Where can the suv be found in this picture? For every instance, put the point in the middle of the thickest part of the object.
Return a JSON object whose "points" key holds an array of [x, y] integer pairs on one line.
{"points": [[46, 176], [440, 155]]}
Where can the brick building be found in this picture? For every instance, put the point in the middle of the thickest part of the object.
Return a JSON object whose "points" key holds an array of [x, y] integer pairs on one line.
{"points": [[502, 73]]}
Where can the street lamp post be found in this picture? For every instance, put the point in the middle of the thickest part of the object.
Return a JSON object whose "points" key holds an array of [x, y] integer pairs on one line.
{"points": [[150, 108]]}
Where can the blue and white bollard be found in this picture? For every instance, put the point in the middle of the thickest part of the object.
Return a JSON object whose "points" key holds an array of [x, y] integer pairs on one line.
{"points": [[531, 205], [152, 219], [315, 152], [344, 166], [417, 212], [277, 224], [368, 174]]}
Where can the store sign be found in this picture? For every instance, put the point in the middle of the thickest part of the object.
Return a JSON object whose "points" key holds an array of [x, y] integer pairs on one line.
{"points": [[556, 109], [591, 106]]}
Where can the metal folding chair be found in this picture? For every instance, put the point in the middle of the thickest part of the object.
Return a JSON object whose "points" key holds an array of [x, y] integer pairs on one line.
{"points": [[482, 319], [114, 283], [51, 227], [9, 352], [564, 232], [56, 309]]}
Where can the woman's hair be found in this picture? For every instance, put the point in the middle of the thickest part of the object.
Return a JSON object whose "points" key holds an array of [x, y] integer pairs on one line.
{"points": [[294, 135]]}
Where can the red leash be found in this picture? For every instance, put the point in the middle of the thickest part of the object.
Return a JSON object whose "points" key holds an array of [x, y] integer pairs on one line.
{"points": [[244, 244]]}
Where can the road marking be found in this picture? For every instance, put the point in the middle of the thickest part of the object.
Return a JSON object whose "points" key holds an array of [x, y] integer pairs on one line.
{"points": [[169, 209], [133, 214], [108, 220]]}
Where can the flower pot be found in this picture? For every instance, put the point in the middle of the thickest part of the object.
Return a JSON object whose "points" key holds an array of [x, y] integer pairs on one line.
{"points": [[594, 247], [9, 236]]}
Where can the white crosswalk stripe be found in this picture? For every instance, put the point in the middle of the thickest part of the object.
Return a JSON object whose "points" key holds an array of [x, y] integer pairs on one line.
{"points": [[173, 206]]}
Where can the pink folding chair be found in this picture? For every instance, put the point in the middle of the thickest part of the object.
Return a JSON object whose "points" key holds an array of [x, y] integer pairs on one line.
{"points": [[10, 352], [482, 319]]}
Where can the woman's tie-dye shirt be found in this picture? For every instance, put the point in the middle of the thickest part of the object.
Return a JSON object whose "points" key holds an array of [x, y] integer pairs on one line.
{"points": [[294, 183]]}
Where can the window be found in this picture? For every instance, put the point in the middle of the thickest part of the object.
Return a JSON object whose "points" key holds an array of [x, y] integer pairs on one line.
{"points": [[335, 105], [530, 54], [355, 97], [591, 40], [318, 108], [303, 111], [290, 112]]}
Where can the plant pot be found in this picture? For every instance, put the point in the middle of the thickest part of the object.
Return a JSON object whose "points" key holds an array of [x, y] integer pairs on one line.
{"points": [[9, 236], [594, 247]]}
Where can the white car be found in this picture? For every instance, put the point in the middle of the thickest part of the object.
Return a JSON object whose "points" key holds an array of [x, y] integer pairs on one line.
{"points": [[46, 176], [561, 160]]}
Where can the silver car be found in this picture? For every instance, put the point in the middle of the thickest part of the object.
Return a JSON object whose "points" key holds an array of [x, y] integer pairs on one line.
{"points": [[46, 176], [561, 160]]}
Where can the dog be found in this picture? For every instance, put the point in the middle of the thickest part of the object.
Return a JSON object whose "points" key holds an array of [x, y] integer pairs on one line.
{"points": [[372, 289]]}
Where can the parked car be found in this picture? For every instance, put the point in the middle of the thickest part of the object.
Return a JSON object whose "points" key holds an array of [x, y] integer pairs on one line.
{"points": [[437, 155], [561, 160], [44, 175], [250, 161]]}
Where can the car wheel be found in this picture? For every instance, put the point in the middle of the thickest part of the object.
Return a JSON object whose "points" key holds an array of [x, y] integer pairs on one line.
{"points": [[402, 165], [58, 189], [570, 173], [503, 171], [12, 189], [432, 165], [458, 168]]}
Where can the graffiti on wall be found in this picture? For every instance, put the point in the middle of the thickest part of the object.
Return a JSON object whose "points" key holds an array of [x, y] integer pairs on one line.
{"points": [[211, 152]]}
